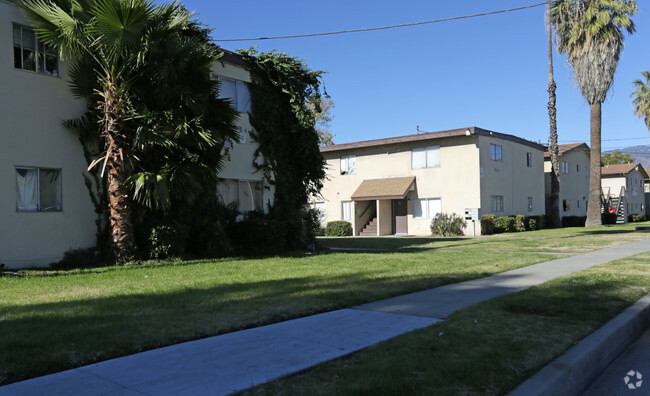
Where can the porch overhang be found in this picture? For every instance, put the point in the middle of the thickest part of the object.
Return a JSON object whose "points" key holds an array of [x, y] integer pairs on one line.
{"points": [[388, 188]]}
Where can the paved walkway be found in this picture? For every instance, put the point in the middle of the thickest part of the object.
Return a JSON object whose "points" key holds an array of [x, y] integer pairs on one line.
{"points": [[236, 361]]}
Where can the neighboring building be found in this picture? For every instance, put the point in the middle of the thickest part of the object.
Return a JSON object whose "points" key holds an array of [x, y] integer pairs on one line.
{"points": [[647, 196], [45, 207], [623, 189], [397, 185], [574, 179]]}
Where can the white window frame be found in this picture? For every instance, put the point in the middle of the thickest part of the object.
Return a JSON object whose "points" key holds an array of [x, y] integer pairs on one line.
{"points": [[242, 100], [564, 166], [431, 157], [40, 49], [59, 205], [496, 152], [347, 210], [238, 197], [348, 165], [425, 210], [496, 202]]}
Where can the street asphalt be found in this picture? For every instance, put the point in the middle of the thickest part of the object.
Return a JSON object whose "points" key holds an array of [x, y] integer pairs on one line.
{"points": [[236, 361]]}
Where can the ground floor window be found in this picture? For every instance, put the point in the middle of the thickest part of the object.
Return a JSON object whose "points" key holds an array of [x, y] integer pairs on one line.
{"points": [[566, 205], [497, 203], [246, 194], [426, 208], [346, 210], [38, 190], [530, 204]]}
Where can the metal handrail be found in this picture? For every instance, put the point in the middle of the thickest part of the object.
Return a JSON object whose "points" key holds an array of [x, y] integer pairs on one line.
{"points": [[620, 199]]}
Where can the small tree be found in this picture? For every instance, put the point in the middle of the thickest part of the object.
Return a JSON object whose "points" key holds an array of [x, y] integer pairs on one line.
{"points": [[444, 224]]}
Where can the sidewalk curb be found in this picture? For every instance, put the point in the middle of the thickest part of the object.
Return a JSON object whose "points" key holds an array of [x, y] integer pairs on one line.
{"points": [[572, 372]]}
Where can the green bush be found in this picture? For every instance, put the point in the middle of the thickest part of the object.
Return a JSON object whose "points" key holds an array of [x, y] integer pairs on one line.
{"points": [[167, 241], [209, 240], [257, 235], [504, 224], [574, 221], [447, 224], [534, 223], [638, 218], [551, 221], [338, 228], [608, 218], [487, 224], [520, 223], [81, 258]]}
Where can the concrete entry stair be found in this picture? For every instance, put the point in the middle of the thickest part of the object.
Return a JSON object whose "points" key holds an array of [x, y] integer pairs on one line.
{"points": [[370, 229]]}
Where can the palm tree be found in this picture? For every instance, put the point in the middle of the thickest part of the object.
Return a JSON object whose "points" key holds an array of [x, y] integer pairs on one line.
{"points": [[590, 33], [553, 206], [642, 98], [122, 49]]}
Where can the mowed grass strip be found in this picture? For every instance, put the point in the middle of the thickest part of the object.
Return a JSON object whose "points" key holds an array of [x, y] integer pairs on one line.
{"points": [[55, 320], [489, 348], [561, 240]]}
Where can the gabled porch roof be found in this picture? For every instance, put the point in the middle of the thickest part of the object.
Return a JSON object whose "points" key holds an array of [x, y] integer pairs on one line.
{"points": [[387, 188]]}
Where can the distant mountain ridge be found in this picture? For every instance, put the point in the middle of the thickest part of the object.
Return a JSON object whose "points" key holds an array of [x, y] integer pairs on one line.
{"points": [[639, 153]]}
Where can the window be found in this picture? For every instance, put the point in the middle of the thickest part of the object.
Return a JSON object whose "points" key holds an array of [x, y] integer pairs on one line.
{"points": [[348, 165], [529, 160], [566, 205], [497, 203], [318, 206], [237, 92], [247, 195], [564, 167], [495, 152], [577, 168], [530, 204], [426, 208], [38, 190], [30, 54], [578, 204], [425, 157], [346, 210]]}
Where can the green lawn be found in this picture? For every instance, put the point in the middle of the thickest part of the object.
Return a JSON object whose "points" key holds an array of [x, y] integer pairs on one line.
{"points": [[489, 348], [56, 320]]}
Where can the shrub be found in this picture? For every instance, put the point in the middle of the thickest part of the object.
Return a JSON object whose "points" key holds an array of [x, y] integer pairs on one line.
{"points": [[166, 241], [504, 224], [487, 224], [313, 223], [551, 221], [520, 223], [534, 223], [209, 240], [574, 221], [447, 224], [338, 228], [608, 218], [257, 235], [81, 258], [638, 218]]}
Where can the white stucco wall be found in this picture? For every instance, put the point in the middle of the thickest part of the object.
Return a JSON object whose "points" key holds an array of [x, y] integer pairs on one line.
{"points": [[32, 107]]}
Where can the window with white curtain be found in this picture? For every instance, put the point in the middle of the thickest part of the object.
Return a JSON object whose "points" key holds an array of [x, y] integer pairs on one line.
{"points": [[564, 167], [426, 208], [38, 190], [346, 210], [496, 152], [425, 157], [237, 92], [246, 194], [497, 203], [348, 164]]}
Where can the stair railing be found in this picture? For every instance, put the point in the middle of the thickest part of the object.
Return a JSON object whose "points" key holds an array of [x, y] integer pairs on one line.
{"points": [[620, 200]]}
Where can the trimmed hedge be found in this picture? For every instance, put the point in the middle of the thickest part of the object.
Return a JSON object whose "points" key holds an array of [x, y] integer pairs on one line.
{"points": [[552, 221], [637, 218], [504, 224], [574, 221], [487, 224], [608, 218], [338, 228], [258, 235], [519, 223], [534, 223]]}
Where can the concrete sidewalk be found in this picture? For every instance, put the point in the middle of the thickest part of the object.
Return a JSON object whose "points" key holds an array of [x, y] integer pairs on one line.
{"points": [[239, 360]]}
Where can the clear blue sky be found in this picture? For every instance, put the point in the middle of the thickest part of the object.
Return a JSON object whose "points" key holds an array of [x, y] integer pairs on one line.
{"points": [[489, 71]]}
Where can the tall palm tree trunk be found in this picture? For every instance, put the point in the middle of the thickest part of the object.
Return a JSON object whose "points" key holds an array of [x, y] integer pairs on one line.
{"points": [[119, 202], [594, 205], [553, 206]]}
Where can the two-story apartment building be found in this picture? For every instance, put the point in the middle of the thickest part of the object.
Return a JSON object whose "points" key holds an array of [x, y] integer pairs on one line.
{"points": [[397, 185], [45, 207], [574, 179], [623, 187]]}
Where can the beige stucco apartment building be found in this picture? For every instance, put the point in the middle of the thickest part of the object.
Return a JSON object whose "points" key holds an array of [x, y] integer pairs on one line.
{"points": [[45, 207], [574, 178], [397, 185], [624, 188]]}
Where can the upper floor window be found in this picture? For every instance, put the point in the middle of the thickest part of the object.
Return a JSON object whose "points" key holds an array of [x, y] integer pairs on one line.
{"points": [[32, 54], [348, 164], [237, 92], [564, 167], [38, 190], [529, 160], [425, 157], [495, 152]]}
